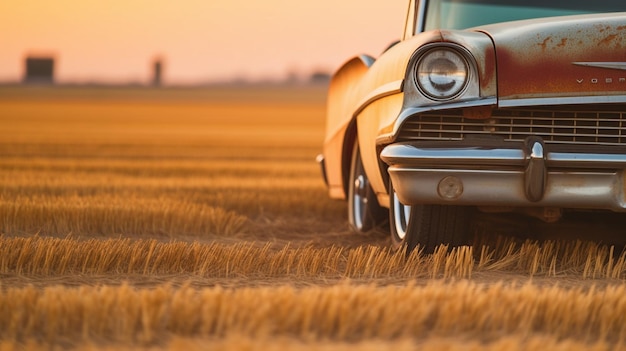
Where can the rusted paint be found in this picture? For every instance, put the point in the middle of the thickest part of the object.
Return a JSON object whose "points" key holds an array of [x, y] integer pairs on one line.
{"points": [[544, 43], [536, 59], [609, 40], [488, 81], [483, 51], [478, 112]]}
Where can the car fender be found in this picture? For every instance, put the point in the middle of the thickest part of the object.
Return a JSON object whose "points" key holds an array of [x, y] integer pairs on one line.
{"points": [[340, 123]]}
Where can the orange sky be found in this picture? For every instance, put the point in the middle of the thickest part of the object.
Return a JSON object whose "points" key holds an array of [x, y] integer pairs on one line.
{"points": [[200, 40]]}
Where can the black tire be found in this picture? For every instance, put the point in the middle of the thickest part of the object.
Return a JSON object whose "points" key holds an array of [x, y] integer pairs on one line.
{"points": [[427, 225], [364, 211]]}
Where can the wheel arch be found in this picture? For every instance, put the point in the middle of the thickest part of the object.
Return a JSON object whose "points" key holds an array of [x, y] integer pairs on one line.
{"points": [[341, 126], [346, 153]]}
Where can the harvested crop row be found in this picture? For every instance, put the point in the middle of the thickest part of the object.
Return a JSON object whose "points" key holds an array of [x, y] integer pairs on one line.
{"points": [[116, 215], [50, 256], [344, 312], [111, 197]]}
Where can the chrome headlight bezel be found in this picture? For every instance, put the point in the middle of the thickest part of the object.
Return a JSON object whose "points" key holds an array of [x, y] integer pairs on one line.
{"points": [[443, 72]]}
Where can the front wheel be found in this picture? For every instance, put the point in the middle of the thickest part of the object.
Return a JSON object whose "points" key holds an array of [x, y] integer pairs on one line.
{"points": [[427, 225], [364, 212]]}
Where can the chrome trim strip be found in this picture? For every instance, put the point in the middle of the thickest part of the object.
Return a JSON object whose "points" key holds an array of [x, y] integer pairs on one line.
{"points": [[382, 91], [573, 160], [367, 60], [322, 162], [609, 65], [409, 155], [454, 105], [420, 17], [407, 112], [576, 100]]}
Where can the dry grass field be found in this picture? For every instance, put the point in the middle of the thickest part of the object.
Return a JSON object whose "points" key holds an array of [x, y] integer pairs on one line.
{"points": [[193, 219]]}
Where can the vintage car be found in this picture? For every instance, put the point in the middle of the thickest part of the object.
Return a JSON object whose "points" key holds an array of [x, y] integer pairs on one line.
{"points": [[483, 105]]}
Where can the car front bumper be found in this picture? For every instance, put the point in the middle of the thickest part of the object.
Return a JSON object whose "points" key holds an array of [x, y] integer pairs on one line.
{"points": [[524, 175]]}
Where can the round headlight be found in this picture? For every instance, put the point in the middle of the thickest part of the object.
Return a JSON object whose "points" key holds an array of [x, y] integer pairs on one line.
{"points": [[442, 73]]}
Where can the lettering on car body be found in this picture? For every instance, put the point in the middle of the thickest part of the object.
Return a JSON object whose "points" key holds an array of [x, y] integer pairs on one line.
{"points": [[605, 80], [608, 65]]}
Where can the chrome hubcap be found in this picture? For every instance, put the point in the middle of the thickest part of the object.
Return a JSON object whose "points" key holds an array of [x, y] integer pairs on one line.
{"points": [[401, 215], [360, 187], [360, 200]]}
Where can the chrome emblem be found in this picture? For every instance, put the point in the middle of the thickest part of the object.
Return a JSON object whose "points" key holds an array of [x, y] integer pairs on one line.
{"points": [[609, 65]]}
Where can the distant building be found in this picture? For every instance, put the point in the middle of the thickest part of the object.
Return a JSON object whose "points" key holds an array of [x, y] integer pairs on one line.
{"points": [[39, 70], [319, 77], [157, 72]]}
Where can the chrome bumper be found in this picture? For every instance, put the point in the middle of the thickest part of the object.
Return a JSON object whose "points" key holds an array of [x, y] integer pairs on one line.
{"points": [[320, 161], [492, 176]]}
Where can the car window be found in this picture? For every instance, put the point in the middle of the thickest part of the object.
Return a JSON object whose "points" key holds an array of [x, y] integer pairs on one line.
{"points": [[462, 14]]}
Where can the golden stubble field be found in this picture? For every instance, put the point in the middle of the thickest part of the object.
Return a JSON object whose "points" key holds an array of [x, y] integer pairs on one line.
{"points": [[192, 219]]}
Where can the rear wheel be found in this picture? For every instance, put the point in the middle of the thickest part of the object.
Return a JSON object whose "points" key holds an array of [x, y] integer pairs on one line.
{"points": [[364, 212], [427, 225]]}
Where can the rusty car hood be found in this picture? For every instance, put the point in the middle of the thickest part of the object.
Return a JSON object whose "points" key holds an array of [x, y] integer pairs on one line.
{"points": [[572, 56]]}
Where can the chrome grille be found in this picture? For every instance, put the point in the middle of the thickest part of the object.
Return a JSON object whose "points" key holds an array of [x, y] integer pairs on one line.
{"points": [[562, 126]]}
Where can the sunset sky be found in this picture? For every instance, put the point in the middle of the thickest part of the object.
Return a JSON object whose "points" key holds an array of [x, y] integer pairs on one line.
{"points": [[199, 40]]}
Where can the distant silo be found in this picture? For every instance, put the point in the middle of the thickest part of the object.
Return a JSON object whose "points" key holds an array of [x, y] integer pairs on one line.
{"points": [[39, 70], [157, 71]]}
